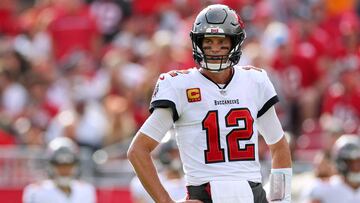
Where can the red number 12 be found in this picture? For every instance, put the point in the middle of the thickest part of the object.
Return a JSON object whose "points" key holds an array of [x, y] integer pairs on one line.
{"points": [[214, 153]]}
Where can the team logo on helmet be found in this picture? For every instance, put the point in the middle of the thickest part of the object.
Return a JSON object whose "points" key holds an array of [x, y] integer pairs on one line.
{"points": [[214, 30]]}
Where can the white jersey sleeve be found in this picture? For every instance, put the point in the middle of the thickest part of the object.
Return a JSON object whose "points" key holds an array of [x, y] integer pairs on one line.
{"points": [[267, 95], [165, 96], [158, 123], [269, 126]]}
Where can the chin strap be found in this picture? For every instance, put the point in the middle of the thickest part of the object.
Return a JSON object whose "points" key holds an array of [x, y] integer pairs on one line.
{"points": [[63, 181], [280, 185]]}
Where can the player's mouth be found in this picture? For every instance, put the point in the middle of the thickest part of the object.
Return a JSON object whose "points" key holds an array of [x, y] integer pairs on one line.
{"points": [[216, 59]]}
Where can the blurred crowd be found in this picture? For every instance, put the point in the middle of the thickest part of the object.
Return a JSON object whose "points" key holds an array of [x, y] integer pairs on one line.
{"points": [[86, 69]]}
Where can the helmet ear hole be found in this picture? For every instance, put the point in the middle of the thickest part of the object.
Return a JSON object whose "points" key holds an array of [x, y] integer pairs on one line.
{"points": [[197, 44], [342, 166]]}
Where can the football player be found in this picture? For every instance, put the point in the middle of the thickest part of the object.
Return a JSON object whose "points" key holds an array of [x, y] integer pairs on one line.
{"points": [[62, 187], [346, 186], [217, 110]]}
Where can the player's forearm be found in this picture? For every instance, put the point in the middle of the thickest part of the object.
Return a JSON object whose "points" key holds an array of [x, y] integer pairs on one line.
{"points": [[145, 169], [281, 172], [280, 153]]}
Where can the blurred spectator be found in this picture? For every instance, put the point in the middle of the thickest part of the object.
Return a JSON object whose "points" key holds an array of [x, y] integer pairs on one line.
{"points": [[121, 124], [14, 95], [33, 42], [81, 92], [341, 100], [8, 23], [86, 124], [79, 78], [109, 15], [6, 138], [146, 8], [39, 108], [73, 29], [31, 134], [298, 75]]}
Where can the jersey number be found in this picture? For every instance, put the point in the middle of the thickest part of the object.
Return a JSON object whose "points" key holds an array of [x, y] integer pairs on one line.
{"points": [[214, 153]]}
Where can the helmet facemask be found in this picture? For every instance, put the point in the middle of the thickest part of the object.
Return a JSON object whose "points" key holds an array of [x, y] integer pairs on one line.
{"points": [[64, 180], [354, 177]]}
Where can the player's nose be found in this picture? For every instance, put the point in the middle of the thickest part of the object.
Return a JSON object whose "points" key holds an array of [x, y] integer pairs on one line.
{"points": [[215, 49]]}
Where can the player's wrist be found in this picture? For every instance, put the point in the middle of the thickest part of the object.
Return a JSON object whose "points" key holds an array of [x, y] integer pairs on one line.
{"points": [[165, 199], [280, 185], [286, 171]]}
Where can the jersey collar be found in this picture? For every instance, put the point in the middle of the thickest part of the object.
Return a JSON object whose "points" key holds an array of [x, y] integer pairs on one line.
{"points": [[227, 83]]}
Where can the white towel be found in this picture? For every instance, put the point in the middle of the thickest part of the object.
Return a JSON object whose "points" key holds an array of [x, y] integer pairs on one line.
{"points": [[231, 192]]}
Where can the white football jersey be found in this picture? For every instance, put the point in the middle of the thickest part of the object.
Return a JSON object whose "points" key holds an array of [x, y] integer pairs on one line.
{"points": [[46, 191], [215, 126], [333, 191]]}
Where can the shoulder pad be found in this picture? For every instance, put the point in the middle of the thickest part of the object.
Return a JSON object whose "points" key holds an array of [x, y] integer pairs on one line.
{"points": [[173, 74], [248, 67]]}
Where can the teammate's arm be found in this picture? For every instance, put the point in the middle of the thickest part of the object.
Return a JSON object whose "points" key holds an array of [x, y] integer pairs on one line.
{"points": [[139, 154]]}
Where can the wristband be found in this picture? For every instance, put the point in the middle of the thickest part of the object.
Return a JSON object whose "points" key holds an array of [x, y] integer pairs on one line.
{"points": [[280, 184]]}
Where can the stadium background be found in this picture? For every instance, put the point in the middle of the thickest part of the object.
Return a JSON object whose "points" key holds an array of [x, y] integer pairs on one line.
{"points": [[86, 69]]}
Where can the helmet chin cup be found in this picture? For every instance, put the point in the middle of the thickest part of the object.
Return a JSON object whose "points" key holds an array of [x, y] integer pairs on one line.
{"points": [[353, 177], [215, 67], [63, 181]]}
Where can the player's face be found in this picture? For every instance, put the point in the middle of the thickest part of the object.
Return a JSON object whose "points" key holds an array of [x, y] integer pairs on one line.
{"points": [[65, 169], [354, 174], [216, 49], [354, 165]]}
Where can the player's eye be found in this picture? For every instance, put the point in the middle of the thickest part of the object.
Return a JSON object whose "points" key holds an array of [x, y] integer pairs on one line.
{"points": [[206, 47], [208, 42]]}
